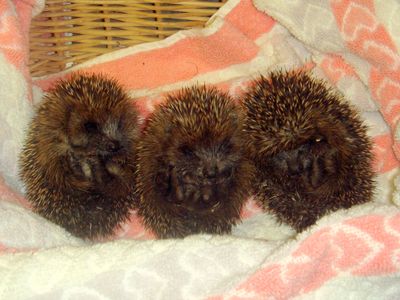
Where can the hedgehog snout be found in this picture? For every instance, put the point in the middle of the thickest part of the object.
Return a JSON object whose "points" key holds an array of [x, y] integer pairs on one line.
{"points": [[113, 146], [210, 170], [208, 195], [109, 146], [293, 162], [197, 195], [294, 167], [216, 169]]}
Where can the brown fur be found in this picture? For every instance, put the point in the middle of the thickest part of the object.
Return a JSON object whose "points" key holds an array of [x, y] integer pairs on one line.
{"points": [[310, 148], [78, 162], [193, 176]]}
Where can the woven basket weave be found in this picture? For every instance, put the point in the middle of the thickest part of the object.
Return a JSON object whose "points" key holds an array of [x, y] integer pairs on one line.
{"points": [[70, 32]]}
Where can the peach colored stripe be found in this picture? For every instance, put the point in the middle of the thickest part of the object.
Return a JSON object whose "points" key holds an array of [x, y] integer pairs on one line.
{"points": [[24, 12], [364, 34], [340, 9], [384, 157], [376, 51], [386, 90], [369, 39], [316, 268], [259, 24], [376, 227], [366, 248], [181, 61], [385, 87], [11, 40], [14, 35], [14, 30], [335, 68]]}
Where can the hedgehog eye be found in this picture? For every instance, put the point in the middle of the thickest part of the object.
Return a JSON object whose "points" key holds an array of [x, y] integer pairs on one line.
{"points": [[90, 127], [186, 150], [227, 173], [318, 139]]}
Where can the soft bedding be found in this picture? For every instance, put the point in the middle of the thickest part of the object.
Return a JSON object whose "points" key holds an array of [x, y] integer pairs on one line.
{"points": [[349, 254]]}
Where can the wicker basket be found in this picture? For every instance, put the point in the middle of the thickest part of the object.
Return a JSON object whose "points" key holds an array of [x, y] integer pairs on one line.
{"points": [[69, 32]]}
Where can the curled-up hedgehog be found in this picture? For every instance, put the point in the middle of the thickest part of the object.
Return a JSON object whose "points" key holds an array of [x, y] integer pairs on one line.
{"points": [[310, 148], [192, 174], [79, 159]]}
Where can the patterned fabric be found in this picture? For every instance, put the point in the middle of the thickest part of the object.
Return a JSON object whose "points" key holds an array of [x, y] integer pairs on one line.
{"points": [[350, 253]]}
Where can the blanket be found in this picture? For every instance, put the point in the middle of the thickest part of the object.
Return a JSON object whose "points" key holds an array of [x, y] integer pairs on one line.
{"points": [[352, 253]]}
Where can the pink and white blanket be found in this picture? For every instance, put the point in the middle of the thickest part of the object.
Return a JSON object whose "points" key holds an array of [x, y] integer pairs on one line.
{"points": [[350, 254]]}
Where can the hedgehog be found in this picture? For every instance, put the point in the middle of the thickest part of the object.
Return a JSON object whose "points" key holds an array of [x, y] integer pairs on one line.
{"points": [[193, 176], [79, 158], [310, 148]]}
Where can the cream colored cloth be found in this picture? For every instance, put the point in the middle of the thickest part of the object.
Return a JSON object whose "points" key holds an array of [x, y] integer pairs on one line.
{"points": [[353, 253]]}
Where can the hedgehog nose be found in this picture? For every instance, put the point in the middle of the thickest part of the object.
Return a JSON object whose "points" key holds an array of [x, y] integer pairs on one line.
{"points": [[208, 196], [210, 171], [294, 167], [207, 193], [113, 146]]}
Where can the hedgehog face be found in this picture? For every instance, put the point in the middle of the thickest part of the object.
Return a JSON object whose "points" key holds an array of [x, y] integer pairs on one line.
{"points": [[310, 148], [316, 151], [99, 138], [96, 143], [201, 176], [310, 163], [94, 136]]}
